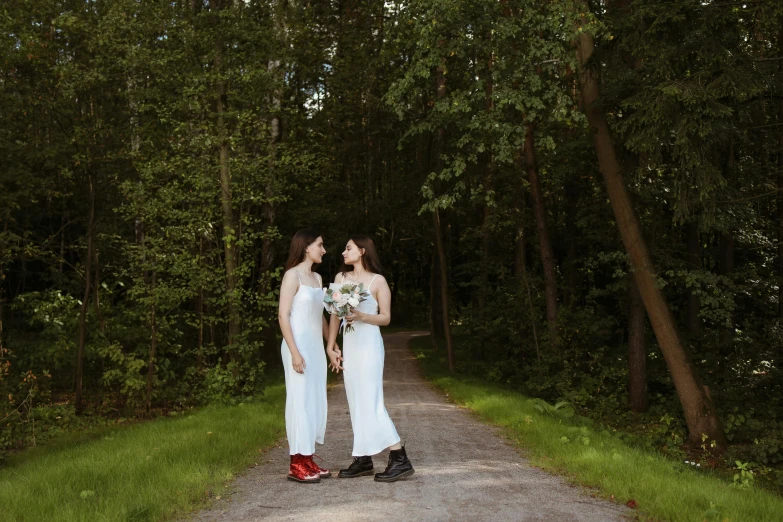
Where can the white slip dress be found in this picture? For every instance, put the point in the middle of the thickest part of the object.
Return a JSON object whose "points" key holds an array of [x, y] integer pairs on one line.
{"points": [[305, 393], [363, 353]]}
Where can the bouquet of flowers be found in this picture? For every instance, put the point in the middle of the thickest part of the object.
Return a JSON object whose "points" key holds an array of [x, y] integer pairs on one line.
{"points": [[341, 299]]}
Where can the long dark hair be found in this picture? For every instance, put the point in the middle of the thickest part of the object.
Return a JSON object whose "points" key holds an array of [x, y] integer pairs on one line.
{"points": [[299, 243], [370, 260]]}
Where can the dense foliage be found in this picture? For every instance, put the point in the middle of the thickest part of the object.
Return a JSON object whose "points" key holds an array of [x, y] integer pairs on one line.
{"points": [[157, 156]]}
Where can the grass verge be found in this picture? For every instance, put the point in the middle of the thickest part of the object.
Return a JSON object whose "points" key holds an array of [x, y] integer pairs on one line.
{"points": [[587, 453], [149, 471]]}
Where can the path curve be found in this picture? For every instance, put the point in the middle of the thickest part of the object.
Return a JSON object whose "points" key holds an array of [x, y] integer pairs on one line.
{"points": [[464, 470]]}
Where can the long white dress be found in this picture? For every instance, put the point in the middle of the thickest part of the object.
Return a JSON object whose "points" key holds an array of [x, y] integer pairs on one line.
{"points": [[363, 353], [305, 393]]}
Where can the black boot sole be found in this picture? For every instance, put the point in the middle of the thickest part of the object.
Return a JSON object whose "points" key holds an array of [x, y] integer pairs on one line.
{"points": [[402, 475], [362, 474]]}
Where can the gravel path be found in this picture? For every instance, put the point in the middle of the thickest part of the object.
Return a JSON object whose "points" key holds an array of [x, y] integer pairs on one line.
{"points": [[464, 471]]}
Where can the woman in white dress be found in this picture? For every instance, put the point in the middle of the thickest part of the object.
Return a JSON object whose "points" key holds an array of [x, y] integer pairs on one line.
{"points": [[304, 328], [362, 365]]}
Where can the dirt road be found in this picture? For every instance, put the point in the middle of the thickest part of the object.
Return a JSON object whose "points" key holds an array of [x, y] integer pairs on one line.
{"points": [[464, 470]]}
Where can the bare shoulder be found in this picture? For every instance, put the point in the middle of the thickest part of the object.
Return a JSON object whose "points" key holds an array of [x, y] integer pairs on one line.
{"points": [[379, 279], [338, 277], [290, 278]]}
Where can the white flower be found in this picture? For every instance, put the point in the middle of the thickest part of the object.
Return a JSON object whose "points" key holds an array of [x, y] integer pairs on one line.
{"points": [[353, 301]]}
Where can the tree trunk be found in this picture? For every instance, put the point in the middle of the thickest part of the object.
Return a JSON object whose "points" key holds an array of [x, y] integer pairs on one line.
{"points": [[200, 311], [444, 288], [97, 295], [780, 219], [269, 208], [694, 263], [520, 264], [727, 253], [520, 272], [369, 194], [440, 83], [63, 221], [780, 185], [547, 255], [637, 350], [423, 161], [486, 209], [520, 261], [726, 264], [484, 264], [698, 408], [79, 404], [435, 325], [226, 200], [2, 301], [572, 193], [2, 316], [153, 344]]}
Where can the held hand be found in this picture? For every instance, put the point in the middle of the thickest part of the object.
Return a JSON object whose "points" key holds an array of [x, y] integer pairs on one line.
{"points": [[335, 358], [298, 362], [355, 315]]}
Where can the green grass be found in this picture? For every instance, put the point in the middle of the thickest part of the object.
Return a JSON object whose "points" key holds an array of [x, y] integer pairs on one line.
{"points": [[590, 455], [149, 471]]}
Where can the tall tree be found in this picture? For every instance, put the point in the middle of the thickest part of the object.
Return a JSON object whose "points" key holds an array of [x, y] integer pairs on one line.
{"points": [[440, 92], [780, 178], [545, 245], [88, 259], [698, 407], [226, 199], [637, 350]]}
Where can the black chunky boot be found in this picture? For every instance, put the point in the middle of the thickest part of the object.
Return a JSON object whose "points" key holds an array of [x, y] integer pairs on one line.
{"points": [[399, 467], [360, 467]]}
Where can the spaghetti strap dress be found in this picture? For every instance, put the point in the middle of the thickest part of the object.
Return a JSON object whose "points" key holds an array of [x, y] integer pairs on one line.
{"points": [[363, 354], [305, 393]]}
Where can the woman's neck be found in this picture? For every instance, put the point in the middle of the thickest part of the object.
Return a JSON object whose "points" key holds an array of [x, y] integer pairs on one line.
{"points": [[359, 270], [305, 266]]}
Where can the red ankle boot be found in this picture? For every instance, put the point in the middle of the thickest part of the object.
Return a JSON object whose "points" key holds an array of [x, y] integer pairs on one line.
{"points": [[301, 470], [322, 472]]}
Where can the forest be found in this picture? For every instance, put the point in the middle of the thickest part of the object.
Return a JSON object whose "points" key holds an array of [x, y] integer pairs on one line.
{"points": [[581, 200]]}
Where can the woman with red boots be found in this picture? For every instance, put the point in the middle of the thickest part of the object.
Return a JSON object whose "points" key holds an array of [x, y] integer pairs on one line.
{"points": [[304, 328]]}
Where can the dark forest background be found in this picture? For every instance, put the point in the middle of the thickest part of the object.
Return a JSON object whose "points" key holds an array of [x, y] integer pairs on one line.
{"points": [[582, 200]]}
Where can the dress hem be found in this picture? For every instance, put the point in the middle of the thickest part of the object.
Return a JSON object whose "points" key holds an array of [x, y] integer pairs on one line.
{"points": [[354, 454], [302, 453]]}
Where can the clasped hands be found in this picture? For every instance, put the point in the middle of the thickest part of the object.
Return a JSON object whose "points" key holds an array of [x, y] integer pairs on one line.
{"points": [[335, 358]]}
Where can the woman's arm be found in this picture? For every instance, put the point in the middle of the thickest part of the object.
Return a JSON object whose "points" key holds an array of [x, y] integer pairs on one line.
{"points": [[324, 323], [325, 329], [383, 317], [327, 325], [334, 327], [288, 290], [332, 350]]}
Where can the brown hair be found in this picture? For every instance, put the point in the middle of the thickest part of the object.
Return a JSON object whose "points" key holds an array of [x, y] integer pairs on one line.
{"points": [[370, 260], [299, 243]]}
